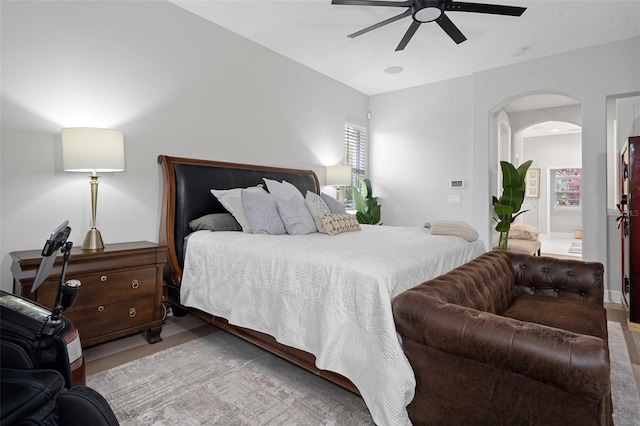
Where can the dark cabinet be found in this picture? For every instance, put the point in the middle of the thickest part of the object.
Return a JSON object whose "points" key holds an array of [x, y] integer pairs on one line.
{"points": [[121, 291], [630, 229]]}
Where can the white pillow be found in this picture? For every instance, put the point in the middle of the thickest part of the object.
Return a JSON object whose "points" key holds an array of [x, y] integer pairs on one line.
{"points": [[317, 207], [232, 201], [261, 212], [291, 207]]}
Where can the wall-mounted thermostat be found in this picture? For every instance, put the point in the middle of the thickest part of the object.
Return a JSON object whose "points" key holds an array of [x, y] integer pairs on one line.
{"points": [[457, 184]]}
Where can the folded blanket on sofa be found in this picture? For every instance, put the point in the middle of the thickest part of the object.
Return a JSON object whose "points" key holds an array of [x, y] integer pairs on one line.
{"points": [[452, 227]]}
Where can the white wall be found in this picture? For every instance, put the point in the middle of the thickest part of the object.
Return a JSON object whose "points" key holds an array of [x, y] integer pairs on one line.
{"points": [[551, 152], [173, 83], [589, 75], [445, 131], [420, 140]]}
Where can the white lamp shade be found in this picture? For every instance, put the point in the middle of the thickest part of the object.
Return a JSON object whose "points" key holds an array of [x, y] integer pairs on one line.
{"points": [[339, 175], [86, 149]]}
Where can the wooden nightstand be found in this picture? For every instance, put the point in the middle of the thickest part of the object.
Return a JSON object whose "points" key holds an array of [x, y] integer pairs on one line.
{"points": [[121, 290]]}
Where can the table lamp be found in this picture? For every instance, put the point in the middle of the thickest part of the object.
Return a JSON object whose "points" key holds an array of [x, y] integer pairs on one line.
{"points": [[339, 176], [92, 150]]}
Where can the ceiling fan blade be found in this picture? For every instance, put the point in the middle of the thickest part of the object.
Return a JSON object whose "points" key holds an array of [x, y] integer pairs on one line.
{"points": [[450, 28], [373, 3], [380, 24], [407, 36], [494, 9]]}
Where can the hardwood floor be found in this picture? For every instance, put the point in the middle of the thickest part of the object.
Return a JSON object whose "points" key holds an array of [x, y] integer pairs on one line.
{"points": [[177, 330]]}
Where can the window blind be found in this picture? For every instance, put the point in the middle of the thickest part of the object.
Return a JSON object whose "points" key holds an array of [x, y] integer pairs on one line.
{"points": [[355, 150]]}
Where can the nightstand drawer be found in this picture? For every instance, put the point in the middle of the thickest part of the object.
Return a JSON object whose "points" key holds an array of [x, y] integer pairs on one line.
{"points": [[124, 279], [105, 319], [106, 288]]}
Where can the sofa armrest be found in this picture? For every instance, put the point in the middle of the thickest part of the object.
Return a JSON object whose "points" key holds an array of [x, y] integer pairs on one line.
{"points": [[578, 364], [547, 276]]}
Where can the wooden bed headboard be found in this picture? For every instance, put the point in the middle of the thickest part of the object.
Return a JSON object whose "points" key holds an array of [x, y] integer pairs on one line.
{"points": [[186, 196]]}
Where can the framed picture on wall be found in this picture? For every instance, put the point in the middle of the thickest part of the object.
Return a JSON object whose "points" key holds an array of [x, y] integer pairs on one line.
{"points": [[532, 183]]}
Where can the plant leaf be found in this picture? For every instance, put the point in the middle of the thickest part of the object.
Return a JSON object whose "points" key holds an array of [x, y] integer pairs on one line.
{"points": [[361, 217], [522, 170], [361, 204], [369, 193], [375, 214], [510, 175], [503, 226], [503, 209], [363, 186]]}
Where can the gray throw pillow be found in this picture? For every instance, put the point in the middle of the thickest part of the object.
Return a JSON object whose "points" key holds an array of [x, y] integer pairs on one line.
{"points": [[293, 211], [334, 205], [215, 222], [261, 212], [230, 200]]}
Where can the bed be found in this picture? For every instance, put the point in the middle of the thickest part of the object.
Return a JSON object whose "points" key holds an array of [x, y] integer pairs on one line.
{"points": [[320, 301]]}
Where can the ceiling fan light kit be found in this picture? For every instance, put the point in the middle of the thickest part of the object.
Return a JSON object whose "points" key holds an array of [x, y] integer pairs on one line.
{"points": [[425, 11]]}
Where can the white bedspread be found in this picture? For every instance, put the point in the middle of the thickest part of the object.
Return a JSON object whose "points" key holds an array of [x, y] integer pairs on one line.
{"points": [[327, 295]]}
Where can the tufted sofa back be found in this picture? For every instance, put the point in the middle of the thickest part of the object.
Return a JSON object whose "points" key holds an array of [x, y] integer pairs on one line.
{"points": [[547, 276], [485, 284]]}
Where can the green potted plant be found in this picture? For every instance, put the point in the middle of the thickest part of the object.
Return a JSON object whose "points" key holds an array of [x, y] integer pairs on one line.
{"points": [[368, 209], [507, 208]]}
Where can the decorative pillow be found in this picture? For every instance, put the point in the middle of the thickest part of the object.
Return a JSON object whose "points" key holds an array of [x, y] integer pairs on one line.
{"points": [[317, 207], [336, 223], [334, 205], [261, 212], [452, 227], [291, 207], [231, 200], [215, 222], [520, 231]]}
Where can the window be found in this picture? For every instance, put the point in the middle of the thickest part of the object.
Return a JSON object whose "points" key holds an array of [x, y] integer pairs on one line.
{"points": [[355, 153]]}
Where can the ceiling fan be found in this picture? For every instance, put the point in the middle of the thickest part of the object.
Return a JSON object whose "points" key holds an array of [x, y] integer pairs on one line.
{"points": [[422, 11]]}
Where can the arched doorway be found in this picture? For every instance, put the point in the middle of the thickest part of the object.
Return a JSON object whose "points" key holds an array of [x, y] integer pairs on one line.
{"points": [[545, 128]]}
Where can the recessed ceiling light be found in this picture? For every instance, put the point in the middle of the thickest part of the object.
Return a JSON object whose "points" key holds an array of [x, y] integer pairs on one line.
{"points": [[520, 51], [394, 70]]}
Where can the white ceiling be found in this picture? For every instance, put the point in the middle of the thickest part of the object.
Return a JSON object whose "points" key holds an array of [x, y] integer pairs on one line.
{"points": [[551, 128], [314, 33]]}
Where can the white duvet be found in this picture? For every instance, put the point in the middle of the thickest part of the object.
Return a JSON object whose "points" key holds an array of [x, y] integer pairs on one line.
{"points": [[327, 295]]}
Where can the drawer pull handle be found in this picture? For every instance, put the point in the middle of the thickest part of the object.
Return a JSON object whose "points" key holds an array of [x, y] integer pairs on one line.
{"points": [[132, 312], [100, 308], [103, 278], [135, 283]]}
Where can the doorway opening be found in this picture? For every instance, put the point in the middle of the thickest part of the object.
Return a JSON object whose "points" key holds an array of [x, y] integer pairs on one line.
{"points": [[545, 128], [556, 209]]}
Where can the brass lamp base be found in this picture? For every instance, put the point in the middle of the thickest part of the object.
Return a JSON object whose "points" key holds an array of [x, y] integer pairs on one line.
{"points": [[93, 240]]}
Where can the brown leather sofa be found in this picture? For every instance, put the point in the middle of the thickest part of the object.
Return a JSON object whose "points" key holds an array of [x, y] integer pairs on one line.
{"points": [[508, 339]]}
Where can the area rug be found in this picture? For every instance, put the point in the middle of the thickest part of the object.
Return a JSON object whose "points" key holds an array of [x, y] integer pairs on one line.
{"points": [[624, 392], [220, 379]]}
